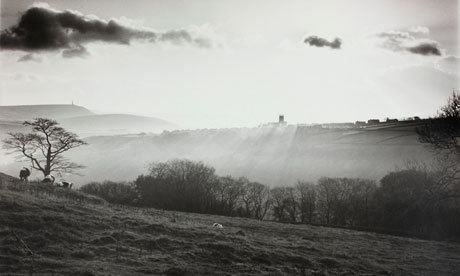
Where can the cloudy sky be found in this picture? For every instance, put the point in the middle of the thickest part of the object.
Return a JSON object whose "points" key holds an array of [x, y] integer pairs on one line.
{"points": [[209, 63]]}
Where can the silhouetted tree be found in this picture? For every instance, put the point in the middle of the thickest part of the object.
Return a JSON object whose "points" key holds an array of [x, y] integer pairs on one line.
{"points": [[256, 198], [44, 146], [410, 200], [228, 193], [443, 134], [307, 201], [284, 203], [181, 185]]}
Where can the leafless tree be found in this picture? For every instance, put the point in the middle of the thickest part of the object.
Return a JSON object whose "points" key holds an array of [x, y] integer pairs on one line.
{"points": [[256, 199], [307, 201], [284, 203], [44, 146], [443, 134]]}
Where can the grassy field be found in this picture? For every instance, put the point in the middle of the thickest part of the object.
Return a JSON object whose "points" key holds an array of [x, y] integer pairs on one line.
{"points": [[46, 231]]}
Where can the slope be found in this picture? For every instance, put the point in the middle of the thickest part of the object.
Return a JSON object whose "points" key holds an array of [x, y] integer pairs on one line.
{"points": [[45, 230]]}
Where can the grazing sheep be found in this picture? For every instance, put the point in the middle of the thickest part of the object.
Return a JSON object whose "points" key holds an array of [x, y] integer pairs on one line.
{"points": [[24, 174], [48, 179], [217, 225], [65, 184]]}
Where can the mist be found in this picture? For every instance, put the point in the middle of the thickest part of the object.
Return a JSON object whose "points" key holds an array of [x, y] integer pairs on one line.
{"points": [[270, 155]]}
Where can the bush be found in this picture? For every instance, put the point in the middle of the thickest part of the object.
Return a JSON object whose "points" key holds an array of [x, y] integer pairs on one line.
{"points": [[113, 192]]}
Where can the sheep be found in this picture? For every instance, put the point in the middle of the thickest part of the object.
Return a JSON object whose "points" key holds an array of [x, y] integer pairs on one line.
{"points": [[48, 179], [24, 174], [65, 184], [217, 225]]}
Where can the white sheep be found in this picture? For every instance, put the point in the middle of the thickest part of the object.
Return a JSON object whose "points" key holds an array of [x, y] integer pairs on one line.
{"points": [[217, 225]]}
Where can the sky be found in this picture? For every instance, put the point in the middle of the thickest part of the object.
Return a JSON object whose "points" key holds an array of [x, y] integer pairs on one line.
{"points": [[214, 63]]}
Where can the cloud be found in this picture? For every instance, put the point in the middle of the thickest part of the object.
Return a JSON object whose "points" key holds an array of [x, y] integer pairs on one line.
{"points": [[30, 57], [77, 51], [43, 28], [410, 41], [321, 42], [426, 49]]}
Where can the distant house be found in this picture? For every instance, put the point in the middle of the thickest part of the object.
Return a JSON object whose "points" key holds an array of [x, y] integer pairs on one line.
{"points": [[360, 123], [373, 121], [388, 120]]}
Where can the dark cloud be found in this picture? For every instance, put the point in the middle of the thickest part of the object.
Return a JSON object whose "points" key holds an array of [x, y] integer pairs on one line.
{"points": [[321, 42], [41, 28], [410, 41], [29, 57], [426, 49]]}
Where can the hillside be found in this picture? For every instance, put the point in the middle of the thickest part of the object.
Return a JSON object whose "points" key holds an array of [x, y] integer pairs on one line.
{"points": [[68, 232], [28, 112], [79, 120]]}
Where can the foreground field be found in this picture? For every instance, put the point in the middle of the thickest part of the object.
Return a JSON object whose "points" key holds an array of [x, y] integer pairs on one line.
{"points": [[49, 231]]}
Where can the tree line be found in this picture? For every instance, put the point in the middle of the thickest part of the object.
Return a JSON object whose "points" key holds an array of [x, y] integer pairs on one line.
{"points": [[413, 200]]}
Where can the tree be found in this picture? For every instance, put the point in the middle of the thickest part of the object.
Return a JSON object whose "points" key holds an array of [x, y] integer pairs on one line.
{"points": [[307, 201], [284, 202], [44, 146], [443, 134], [181, 185], [443, 131], [256, 199]]}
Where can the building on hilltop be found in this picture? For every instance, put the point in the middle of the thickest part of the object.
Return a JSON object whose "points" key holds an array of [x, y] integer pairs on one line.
{"points": [[281, 120]]}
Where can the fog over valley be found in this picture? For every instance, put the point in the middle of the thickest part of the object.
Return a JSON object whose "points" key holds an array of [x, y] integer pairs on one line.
{"points": [[123, 147]]}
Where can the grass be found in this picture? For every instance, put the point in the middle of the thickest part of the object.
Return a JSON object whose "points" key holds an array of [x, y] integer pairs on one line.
{"points": [[45, 231]]}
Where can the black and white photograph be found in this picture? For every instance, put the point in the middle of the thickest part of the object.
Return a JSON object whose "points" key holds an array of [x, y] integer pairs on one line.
{"points": [[229, 137]]}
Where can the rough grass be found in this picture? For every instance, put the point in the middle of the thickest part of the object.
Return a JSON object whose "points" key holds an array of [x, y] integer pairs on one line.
{"points": [[70, 233]]}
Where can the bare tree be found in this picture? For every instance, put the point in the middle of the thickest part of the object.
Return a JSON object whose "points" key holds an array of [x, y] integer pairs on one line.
{"points": [[307, 201], [256, 199], [443, 131], [443, 134], [284, 202], [44, 146]]}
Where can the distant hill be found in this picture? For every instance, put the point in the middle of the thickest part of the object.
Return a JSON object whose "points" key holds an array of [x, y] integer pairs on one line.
{"points": [[54, 111], [46, 231], [80, 120], [108, 124]]}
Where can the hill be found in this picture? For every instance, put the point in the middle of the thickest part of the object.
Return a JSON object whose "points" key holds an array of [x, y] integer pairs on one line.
{"points": [[28, 112], [114, 124], [48, 231], [79, 120]]}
